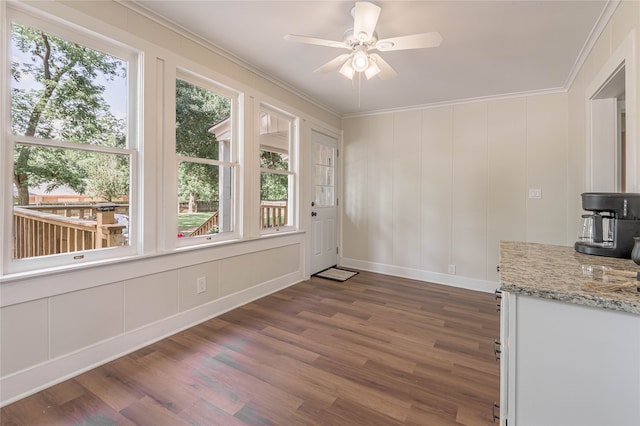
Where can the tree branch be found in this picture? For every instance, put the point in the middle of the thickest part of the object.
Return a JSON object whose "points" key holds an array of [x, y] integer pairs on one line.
{"points": [[50, 84], [46, 56]]}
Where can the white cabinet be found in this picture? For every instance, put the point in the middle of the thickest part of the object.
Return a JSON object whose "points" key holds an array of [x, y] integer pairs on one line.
{"points": [[568, 364], [503, 408]]}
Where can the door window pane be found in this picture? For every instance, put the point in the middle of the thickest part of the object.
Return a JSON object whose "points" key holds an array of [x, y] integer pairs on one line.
{"points": [[324, 176]]}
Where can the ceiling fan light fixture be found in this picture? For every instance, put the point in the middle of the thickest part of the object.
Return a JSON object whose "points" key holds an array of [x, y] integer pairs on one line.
{"points": [[372, 70], [347, 70], [360, 61], [362, 40]]}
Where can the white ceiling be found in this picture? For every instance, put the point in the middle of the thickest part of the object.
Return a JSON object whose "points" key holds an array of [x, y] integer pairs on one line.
{"points": [[490, 48]]}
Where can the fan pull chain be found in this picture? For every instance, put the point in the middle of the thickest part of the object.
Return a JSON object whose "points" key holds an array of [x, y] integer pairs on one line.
{"points": [[359, 87]]}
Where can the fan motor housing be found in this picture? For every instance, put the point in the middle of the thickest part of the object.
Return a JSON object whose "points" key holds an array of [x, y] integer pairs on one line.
{"points": [[351, 40]]}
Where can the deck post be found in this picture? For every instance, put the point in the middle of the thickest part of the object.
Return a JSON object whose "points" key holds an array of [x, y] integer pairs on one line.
{"points": [[105, 216]]}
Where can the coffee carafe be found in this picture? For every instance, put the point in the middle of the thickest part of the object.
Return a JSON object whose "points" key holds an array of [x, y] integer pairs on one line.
{"points": [[610, 227]]}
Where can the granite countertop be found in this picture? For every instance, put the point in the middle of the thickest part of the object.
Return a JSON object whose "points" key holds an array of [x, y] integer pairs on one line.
{"points": [[561, 273]]}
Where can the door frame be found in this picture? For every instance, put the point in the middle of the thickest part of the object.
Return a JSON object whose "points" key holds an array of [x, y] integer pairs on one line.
{"points": [[308, 182], [602, 117]]}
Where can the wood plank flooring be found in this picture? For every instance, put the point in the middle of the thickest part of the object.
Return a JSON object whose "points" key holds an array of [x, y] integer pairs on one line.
{"points": [[374, 350]]}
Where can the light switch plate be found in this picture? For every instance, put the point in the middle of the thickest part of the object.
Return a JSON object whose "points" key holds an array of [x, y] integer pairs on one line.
{"points": [[535, 193]]}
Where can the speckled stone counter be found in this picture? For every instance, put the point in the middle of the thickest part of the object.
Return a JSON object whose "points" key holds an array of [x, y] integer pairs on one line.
{"points": [[561, 273]]}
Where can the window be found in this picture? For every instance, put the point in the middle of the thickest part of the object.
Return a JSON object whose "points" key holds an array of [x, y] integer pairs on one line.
{"points": [[277, 175], [74, 154], [324, 182], [206, 160]]}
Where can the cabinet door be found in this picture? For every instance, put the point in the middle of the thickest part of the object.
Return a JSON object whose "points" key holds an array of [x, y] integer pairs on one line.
{"points": [[574, 365], [507, 358]]}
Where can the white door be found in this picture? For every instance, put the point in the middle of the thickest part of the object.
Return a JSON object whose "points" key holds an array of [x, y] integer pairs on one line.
{"points": [[324, 247]]}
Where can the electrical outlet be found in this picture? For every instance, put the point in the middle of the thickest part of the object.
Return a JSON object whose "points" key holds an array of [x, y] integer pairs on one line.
{"points": [[452, 269], [201, 285]]}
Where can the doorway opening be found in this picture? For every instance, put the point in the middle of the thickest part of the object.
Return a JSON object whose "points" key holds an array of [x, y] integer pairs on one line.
{"points": [[608, 146], [612, 152]]}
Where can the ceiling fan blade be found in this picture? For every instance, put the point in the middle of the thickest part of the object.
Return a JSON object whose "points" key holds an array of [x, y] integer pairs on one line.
{"points": [[415, 41], [334, 63], [386, 72], [365, 19], [316, 41]]}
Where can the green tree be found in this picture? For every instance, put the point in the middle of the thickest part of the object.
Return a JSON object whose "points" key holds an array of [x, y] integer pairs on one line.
{"points": [[107, 176], [273, 186], [197, 182], [64, 102], [197, 109]]}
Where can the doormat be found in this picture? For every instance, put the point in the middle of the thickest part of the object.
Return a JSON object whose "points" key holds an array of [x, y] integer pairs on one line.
{"points": [[335, 274]]}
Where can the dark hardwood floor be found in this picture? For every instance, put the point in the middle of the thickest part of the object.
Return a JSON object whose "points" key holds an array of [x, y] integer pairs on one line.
{"points": [[374, 350]]}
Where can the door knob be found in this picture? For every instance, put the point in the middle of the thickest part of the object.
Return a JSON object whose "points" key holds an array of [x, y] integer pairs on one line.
{"points": [[313, 203]]}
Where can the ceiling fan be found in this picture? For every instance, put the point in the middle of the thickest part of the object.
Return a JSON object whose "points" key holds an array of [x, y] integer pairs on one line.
{"points": [[361, 40]]}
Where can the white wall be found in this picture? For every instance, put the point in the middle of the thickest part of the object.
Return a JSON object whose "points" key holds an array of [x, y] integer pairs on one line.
{"points": [[56, 324], [429, 188], [464, 184]]}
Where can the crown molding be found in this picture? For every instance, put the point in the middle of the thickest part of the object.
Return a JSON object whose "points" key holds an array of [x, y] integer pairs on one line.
{"points": [[460, 102], [185, 32], [591, 41]]}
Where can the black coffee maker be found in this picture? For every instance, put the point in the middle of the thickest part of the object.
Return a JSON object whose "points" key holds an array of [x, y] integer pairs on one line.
{"points": [[610, 229]]}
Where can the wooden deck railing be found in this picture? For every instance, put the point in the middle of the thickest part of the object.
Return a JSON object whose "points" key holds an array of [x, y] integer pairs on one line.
{"points": [[47, 230], [74, 210], [273, 214], [207, 226], [37, 233]]}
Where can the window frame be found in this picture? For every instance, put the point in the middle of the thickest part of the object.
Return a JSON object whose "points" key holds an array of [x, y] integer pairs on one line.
{"points": [[293, 172], [74, 33], [206, 83]]}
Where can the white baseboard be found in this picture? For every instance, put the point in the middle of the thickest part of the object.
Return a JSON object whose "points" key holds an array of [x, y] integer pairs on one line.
{"points": [[420, 275], [36, 378]]}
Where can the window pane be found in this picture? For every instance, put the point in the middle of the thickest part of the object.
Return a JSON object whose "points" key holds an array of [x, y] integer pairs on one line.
{"points": [[202, 122], [274, 131], [274, 160], [275, 188], [205, 199], [88, 211], [324, 176], [274, 193], [62, 90], [318, 154], [274, 142]]}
